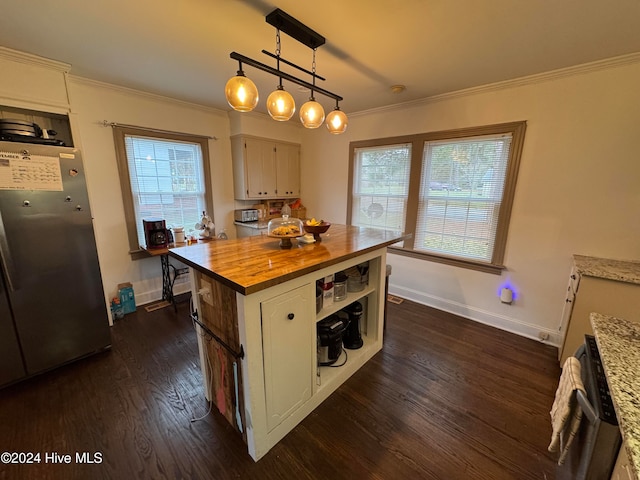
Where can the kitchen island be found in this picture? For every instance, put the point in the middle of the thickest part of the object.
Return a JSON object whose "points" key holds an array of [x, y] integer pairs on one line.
{"points": [[256, 323], [619, 345]]}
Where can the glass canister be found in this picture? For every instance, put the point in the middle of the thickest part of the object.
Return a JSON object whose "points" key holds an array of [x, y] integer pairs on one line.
{"points": [[358, 277], [340, 286]]}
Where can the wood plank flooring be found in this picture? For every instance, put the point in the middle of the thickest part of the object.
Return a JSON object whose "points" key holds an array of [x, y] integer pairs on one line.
{"points": [[447, 398]]}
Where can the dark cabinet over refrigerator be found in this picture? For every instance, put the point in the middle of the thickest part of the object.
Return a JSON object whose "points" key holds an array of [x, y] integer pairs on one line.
{"points": [[52, 306]]}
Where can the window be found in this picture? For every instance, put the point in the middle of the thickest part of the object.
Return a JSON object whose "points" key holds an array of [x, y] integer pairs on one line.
{"points": [[381, 186], [453, 190], [162, 176]]}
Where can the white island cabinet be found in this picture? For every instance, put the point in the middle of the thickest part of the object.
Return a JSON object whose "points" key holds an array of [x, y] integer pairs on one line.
{"points": [[259, 301]]}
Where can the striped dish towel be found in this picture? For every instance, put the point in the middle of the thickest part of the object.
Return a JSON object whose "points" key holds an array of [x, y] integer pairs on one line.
{"points": [[565, 411]]}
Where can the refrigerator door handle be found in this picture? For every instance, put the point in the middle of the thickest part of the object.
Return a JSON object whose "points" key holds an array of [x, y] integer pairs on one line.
{"points": [[5, 259]]}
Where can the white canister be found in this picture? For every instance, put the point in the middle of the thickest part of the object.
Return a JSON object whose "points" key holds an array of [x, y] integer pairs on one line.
{"points": [[178, 234]]}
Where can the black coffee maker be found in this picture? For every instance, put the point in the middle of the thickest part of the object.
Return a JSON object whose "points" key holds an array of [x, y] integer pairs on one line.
{"points": [[155, 233], [352, 339]]}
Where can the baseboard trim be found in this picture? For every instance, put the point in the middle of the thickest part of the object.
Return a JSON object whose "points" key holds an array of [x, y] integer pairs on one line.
{"points": [[151, 296], [502, 322]]}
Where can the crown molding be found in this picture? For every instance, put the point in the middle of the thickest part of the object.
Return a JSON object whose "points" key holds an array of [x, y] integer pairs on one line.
{"points": [[140, 93], [551, 75], [30, 59]]}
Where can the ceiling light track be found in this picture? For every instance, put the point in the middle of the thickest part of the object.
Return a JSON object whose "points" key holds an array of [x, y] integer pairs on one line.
{"points": [[242, 93], [279, 73], [291, 64]]}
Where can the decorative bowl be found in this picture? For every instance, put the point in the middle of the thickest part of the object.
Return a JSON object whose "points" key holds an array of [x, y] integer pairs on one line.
{"points": [[317, 229]]}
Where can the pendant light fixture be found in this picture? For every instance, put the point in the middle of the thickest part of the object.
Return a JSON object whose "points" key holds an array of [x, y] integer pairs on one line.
{"points": [[242, 93], [312, 113], [280, 103], [337, 121]]}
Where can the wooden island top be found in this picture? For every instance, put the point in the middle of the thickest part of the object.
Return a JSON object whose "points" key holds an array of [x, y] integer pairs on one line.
{"points": [[248, 265]]}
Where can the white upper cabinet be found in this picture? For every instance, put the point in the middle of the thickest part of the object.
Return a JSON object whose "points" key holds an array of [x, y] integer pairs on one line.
{"points": [[264, 169], [287, 170]]}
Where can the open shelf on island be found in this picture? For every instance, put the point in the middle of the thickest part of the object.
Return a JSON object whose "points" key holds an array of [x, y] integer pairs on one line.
{"points": [[327, 375], [351, 297]]}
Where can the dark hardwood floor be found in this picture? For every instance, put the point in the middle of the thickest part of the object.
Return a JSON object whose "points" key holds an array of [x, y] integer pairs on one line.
{"points": [[447, 398]]}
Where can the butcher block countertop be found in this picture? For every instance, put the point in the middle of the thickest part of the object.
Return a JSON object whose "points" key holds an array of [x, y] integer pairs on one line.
{"points": [[251, 264], [619, 345]]}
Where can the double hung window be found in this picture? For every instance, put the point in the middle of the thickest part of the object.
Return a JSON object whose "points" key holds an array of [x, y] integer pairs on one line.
{"points": [[452, 190], [162, 176]]}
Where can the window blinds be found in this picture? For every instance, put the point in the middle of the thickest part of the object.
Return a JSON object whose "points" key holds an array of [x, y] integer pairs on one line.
{"points": [[381, 186], [461, 191], [167, 181]]}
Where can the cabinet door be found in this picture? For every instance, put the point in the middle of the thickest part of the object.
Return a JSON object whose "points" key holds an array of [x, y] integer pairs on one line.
{"points": [[287, 337], [288, 170], [601, 295], [260, 168], [568, 307]]}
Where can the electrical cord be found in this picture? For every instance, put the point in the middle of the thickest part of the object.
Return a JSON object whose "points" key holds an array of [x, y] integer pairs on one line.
{"points": [[345, 359]]}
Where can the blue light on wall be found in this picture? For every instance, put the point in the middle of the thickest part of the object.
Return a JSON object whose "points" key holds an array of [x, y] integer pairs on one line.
{"points": [[507, 293]]}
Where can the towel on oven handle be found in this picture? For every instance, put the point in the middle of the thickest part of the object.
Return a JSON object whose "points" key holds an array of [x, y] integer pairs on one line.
{"points": [[566, 414]]}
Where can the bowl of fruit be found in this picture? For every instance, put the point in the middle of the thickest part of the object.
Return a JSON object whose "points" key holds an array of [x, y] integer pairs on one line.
{"points": [[316, 227]]}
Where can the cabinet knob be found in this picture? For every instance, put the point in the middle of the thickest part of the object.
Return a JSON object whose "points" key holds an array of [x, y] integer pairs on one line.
{"points": [[290, 316]]}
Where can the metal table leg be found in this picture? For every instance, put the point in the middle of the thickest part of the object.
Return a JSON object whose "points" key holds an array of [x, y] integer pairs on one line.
{"points": [[167, 283]]}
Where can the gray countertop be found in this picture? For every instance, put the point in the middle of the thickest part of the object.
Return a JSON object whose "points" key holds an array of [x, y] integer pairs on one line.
{"points": [[621, 270], [255, 225], [619, 345]]}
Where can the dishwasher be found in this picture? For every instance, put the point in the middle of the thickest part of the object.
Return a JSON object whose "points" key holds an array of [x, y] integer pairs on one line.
{"points": [[593, 453]]}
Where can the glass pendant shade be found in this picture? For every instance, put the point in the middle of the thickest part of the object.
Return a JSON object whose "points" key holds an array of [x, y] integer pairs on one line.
{"points": [[241, 93], [311, 114], [281, 105], [337, 121]]}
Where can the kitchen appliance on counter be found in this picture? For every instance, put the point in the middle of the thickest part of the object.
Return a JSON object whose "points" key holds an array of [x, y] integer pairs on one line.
{"points": [[52, 305], [352, 336], [246, 215], [330, 331], [13, 130], [594, 450], [155, 233]]}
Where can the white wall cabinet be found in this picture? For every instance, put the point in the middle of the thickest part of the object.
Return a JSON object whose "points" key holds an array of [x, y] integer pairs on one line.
{"points": [[264, 169], [587, 294], [287, 170], [287, 337]]}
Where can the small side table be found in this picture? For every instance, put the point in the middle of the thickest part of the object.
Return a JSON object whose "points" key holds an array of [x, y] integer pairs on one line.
{"points": [[167, 280]]}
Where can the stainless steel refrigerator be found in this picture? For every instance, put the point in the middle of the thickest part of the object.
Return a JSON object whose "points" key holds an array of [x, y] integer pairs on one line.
{"points": [[52, 306]]}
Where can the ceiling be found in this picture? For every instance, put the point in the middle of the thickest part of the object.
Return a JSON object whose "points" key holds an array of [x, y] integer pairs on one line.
{"points": [[180, 48]]}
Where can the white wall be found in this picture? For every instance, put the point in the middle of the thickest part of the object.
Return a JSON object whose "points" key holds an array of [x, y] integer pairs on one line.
{"points": [[578, 189], [91, 104]]}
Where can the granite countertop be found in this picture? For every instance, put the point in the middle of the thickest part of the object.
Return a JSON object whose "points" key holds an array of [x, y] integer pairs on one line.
{"points": [[250, 264], [620, 270], [619, 345], [257, 225]]}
